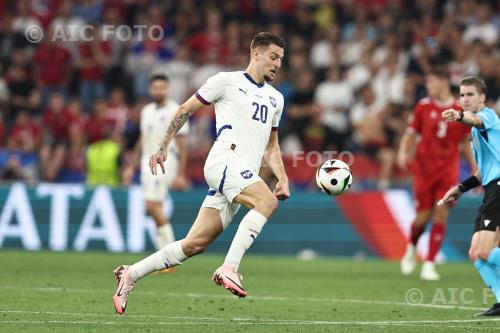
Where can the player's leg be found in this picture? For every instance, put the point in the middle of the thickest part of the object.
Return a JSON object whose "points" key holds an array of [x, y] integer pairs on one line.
{"points": [[205, 229], [155, 190], [484, 246], [164, 230], [484, 254], [423, 189], [262, 203], [436, 239], [409, 260], [423, 207]]}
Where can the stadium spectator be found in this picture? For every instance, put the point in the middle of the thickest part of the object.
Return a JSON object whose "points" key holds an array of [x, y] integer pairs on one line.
{"points": [[4, 98], [301, 110], [369, 134], [335, 97], [103, 161], [93, 62], [117, 110], [52, 68], [73, 167], [143, 57], [97, 125], [324, 52], [180, 71], [20, 160], [482, 27], [23, 95], [67, 27], [24, 18]]}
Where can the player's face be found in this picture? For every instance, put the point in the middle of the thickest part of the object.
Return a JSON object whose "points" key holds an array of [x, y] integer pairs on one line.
{"points": [[269, 59], [434, 85], [158, 90], [470, 99]]}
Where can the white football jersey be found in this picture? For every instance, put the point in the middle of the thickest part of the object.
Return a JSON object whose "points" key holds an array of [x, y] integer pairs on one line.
{"points": [[245, 112], [154, 124]]}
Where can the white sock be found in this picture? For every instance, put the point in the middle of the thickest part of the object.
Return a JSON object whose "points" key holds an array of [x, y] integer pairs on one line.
{"points": [[164, 235], [249, 229], [169, 256]]}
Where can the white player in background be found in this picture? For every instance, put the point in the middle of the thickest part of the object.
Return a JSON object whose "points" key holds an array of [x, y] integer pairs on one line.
{"points": [[155, 119], [248, 111]]}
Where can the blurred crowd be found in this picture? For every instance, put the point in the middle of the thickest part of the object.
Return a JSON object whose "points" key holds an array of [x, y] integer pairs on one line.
{"points": [[352, 73]]}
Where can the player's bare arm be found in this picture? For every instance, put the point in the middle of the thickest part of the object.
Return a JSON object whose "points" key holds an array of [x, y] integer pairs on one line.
{"points": [[273, 158], [466, 117], [181, 116], [406, 148]]}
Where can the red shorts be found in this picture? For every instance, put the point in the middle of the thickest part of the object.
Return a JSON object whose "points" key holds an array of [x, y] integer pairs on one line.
{"points": [[427, 191]]}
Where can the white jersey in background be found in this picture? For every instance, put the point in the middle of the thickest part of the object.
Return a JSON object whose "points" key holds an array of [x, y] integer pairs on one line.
{"points": [[245, 111], [154, 124]]}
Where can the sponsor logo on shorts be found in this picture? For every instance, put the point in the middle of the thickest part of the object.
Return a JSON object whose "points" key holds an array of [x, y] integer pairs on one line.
{"points": [[247, 174]]}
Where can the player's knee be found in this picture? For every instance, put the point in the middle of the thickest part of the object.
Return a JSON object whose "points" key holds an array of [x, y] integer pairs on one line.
{"points": [[193, 247], [479, 253], [473, 255], [267, 205], [484, 254], [150, 207]]}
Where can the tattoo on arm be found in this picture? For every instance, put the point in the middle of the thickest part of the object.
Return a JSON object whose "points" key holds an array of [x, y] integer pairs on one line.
{"points": [[174, 127]]}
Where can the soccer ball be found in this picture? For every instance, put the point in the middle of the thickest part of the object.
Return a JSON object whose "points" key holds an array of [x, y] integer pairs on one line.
{"points": [[334, 177]]}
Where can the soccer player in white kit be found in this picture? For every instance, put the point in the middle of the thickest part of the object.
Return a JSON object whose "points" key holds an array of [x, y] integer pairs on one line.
{"points": [[248, 111], [155, 119]]}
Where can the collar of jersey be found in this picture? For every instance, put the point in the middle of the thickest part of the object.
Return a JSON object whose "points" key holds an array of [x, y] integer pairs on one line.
{"points": [[259, 85]]}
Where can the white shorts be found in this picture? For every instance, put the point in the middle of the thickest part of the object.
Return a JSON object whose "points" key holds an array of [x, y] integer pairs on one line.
{"points": [[156, 188], [227, 175]]}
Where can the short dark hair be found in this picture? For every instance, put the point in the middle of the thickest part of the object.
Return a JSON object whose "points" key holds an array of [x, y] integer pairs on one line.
{"points": [[161, 77], [440, 72], [476, 82], [266, 39]]}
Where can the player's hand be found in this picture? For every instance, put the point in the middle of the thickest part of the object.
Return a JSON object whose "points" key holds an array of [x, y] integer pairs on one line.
{"points": [[282, 191], [403, 160], [180, 183], [450, 198], [450, 115], [157, 158]]}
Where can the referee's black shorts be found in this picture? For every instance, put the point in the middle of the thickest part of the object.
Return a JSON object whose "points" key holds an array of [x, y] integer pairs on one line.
{"points": [[488, 216]]}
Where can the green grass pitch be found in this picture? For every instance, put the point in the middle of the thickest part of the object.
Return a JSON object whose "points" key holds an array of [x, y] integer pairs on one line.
{"points": [[72, 292]]}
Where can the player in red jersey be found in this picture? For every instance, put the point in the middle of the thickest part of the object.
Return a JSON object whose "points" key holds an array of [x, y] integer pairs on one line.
{"points": [[436, 166]]}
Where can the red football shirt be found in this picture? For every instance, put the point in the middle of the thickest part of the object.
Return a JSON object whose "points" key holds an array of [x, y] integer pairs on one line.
{"points": [[437, 149], [53, 63]]}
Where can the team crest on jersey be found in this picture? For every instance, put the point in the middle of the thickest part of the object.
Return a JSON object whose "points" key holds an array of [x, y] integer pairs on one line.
{"points": [[247, 174], [272, 100]]}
